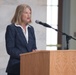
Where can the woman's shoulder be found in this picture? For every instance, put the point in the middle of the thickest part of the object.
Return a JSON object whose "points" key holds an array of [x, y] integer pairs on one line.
{"points": [[11, 25]]}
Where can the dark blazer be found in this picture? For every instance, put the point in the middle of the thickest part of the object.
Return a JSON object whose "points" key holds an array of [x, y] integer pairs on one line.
{"points": [[16, 44]]}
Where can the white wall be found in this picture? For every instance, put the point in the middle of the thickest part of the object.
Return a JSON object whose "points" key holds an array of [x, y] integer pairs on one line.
{"points": [[72, 23], [7, 8]]}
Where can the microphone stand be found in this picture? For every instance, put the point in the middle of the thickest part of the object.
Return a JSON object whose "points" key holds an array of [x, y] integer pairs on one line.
{"points": [[68, 37]]}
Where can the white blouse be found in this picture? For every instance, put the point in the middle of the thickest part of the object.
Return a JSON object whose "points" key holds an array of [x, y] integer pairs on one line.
{"points": [[24, 32]]}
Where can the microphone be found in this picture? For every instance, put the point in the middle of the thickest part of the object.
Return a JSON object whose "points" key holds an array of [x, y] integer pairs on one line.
{"points": [[44, 24]]}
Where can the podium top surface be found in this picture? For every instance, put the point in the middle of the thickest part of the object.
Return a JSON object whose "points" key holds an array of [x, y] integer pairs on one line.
{"points": [[45, 51]]}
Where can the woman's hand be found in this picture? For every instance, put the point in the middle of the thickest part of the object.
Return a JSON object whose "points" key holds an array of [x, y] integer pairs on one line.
{"points": [[34, 50]]}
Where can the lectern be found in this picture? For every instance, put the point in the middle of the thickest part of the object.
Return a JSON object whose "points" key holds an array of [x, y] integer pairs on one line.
{"points": [[60, 62]]}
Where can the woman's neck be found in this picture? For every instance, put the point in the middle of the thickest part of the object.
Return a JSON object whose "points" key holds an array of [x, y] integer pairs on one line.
{"points": [[24, 26]]}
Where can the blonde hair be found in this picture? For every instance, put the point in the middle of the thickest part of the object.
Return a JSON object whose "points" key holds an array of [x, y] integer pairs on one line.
{"points": [[19, 10]]}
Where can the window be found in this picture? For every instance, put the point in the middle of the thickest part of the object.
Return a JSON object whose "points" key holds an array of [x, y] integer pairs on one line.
{"points": [[52, 19]]}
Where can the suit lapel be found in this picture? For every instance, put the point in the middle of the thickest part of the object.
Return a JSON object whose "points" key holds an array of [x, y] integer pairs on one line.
{"points": [[22, 37], [29, 36], [30, 39]]}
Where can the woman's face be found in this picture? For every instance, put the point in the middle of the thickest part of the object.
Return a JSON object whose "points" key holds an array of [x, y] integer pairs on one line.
{"points": [[26, 16]]}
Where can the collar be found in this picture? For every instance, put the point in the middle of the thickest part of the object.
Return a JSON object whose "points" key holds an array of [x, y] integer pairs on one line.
{"points": [[21, 26]]}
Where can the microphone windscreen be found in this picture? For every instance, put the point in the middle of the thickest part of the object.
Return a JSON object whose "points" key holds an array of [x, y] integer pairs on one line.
{"points": [[37, 21]]}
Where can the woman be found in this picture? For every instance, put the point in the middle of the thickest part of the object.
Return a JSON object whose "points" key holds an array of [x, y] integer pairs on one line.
{"points": [[19, 37]]}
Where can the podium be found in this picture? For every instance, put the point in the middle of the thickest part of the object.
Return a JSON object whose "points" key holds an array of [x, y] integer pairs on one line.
{"points": [[60, 62]]}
